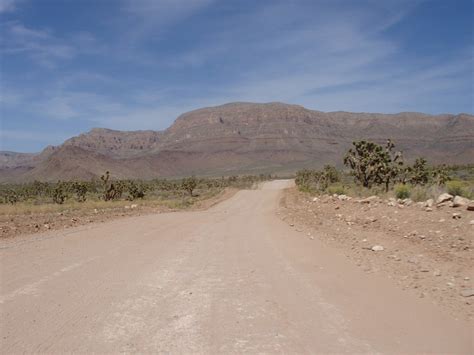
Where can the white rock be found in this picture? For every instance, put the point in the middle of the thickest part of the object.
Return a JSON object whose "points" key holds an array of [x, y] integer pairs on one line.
{"points": [[315, 199], [471, 222], [456, 215], [467, 293], [460, 201], [377, 248], [429, 203], [133, 206], [342, 197], [444, 198]]}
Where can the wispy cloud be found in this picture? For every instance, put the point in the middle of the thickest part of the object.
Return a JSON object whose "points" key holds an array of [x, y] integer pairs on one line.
{"points": [[154, 59], [8, 5]]}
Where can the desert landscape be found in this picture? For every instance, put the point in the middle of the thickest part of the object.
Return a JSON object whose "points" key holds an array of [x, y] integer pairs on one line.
{"points": [[236, 177]]}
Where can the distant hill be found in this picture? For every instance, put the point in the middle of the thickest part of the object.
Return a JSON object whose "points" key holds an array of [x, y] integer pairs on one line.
{"points": [[243, 138]]}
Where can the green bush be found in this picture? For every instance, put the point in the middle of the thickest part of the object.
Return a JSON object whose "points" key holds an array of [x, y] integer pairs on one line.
{"points": [[336, 189], [419, 193], [456, 188], [402, 191]]}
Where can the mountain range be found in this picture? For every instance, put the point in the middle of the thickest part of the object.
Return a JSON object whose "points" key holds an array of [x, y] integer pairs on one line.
{"points": [[238, 138]]}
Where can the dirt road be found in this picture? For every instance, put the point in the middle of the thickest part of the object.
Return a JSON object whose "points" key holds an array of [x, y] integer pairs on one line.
{"points": [[231, 279]]}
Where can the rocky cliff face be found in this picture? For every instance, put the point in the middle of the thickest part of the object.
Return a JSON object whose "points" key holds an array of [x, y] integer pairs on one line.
{"points": [[244, 137]]}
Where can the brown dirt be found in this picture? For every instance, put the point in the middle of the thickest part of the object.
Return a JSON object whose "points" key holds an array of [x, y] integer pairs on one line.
{"points": [[15, 224], [428, 252], [230, 279]]}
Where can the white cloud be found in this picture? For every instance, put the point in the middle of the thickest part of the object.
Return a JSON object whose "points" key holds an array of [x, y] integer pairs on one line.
{"points": [[8, 5]]}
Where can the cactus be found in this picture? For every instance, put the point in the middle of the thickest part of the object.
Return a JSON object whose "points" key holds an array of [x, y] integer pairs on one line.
{"points": [[419, 173], [80, 190], [60, 193], [135, 191], [441, 175], [189, 184], [110, 190], [373, 164]]}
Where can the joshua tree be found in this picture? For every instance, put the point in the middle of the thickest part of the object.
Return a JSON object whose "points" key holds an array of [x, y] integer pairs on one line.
{"points": [[189, 184], [373, 164]]}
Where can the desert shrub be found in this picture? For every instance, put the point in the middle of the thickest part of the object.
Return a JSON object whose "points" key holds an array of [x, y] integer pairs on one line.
{"points": [[456, 188], [135, 191], [80, 190], [190, 183], [336, 189], [419, 193], [316, 180], [440, 175], [11, 197], [111, 190], [372, 164], [419, 173], [402, 191], [60, 193]]}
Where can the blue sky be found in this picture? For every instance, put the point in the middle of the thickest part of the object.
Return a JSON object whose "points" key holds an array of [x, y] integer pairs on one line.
{"points": [[70, 65]]}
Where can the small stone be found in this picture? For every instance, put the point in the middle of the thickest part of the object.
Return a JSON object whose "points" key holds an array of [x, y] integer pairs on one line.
{"points": [[460, 201], [377, 248], [429, 203], [470, 206], [467, 293], [315, 199], [133, 206], [47, 226], [437, 273], [456, 215], [441, 220], [444, 198], [422, 237], [413, 261], [471, 222], [428, 209]]}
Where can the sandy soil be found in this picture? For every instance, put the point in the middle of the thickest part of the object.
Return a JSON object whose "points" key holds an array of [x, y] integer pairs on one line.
{"points": [[428, 252], [234, 278], [16, 224]]}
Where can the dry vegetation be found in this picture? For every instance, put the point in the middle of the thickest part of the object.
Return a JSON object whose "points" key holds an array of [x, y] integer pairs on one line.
{"points": [[40, 206], [414, 223]]}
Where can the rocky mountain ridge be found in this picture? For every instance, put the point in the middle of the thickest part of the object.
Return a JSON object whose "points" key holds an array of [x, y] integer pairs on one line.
{"points": [[243, 138]]}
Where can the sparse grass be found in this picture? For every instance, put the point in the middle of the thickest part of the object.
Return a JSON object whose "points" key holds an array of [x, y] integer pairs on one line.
{"points": [[176, 200], [402, 191], [336, 189], [419, 194], [459, 188]]}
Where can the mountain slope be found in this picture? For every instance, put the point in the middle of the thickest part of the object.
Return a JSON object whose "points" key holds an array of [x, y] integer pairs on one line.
{"points": [[244, 138]]}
